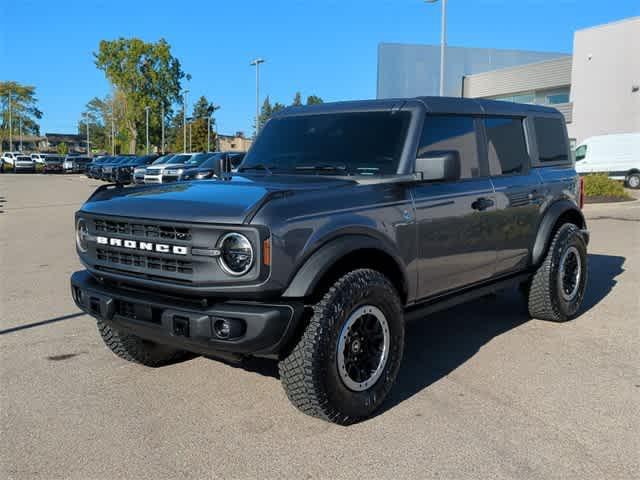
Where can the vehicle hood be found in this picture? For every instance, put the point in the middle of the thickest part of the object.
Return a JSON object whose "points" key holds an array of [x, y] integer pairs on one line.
{"points": [[232, 201], [164, 166]]}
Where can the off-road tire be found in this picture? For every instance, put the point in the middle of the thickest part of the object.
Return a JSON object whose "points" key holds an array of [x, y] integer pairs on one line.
{"points": [[309, 374], [135, 349], [545, 300]]}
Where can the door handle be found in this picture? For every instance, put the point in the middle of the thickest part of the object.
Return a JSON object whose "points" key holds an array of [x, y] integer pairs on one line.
{"points": [[482, 203]]}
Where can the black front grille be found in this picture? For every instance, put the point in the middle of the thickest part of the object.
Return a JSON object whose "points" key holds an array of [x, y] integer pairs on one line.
{"points": [[141, 261], [143, 230]]}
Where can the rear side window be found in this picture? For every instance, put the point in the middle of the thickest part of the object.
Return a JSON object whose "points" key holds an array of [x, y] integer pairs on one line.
{"points": [[454, 133], [506, 145], [550, 137]]}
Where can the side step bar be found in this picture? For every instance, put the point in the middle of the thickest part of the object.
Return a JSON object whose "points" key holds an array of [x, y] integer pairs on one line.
{"points": [[446, 301]]}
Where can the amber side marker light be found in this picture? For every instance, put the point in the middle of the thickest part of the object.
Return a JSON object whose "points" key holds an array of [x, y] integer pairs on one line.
{"points": [[266, 252]]}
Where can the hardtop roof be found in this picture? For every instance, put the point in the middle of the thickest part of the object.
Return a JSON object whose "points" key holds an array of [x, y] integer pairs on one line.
{"points": [[440, 105]]}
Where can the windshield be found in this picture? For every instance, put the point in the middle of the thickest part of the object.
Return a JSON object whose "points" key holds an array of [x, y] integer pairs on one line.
{"points": [[197, 159], [180, 158], [361, 143], [164, 159], [53, 159]]}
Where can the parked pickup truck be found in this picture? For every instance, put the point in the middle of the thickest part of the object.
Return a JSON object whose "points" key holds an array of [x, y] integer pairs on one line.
{"points": [[342, 221]]}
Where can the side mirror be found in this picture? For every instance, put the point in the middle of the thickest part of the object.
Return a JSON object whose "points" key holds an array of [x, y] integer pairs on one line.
{"points": [[439, 166]]}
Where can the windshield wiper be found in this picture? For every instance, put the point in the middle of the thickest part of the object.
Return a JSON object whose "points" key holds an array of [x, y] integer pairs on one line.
{"points": [[257, 166], [324, 167]]}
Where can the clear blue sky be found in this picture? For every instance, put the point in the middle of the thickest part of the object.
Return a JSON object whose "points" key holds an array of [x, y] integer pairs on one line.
{"points": [[324, 47]]}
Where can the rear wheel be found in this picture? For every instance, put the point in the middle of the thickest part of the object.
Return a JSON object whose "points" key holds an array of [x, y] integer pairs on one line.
{"points": [[558, 286], [135, 349], [633, 181], [348, 358]]}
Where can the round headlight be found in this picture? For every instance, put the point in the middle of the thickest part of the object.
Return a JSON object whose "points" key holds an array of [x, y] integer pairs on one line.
{"points": [[236, 254], [82, 235]]}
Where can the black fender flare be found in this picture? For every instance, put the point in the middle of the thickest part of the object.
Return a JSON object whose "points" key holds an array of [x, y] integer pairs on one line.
{"points": [[326, 257], [545, 229]]}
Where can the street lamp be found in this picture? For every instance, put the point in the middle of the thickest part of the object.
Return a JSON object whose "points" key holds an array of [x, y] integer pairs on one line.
{"points": [[256, 62], [213, 110], [86, 120], [146, 111], [190, 120], [184, 121], [20, 123], [443, 40], [10, 124], [162, 119]]}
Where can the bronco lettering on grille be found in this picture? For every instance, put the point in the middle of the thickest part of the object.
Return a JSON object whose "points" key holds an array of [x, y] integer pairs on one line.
{"points": [[147, 246]]}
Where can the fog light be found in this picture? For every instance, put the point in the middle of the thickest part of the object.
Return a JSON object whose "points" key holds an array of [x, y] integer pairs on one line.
{"points": [[227, 328]]}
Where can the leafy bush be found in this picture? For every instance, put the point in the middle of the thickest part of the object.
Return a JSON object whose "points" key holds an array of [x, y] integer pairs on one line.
{"points": [[600, 185]]}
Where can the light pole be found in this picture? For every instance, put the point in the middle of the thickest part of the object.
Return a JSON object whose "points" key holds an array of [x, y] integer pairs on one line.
{"points": [[162, 118], [184, 121], [86, 119], [113, 127], [20, 123], [190, 119], [10, 125], [213, 110], [443, 40], [256, 62], [146, 111]]}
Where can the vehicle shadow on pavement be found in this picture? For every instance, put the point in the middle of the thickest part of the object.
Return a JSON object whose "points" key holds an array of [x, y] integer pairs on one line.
{"points": [[440, 343]]}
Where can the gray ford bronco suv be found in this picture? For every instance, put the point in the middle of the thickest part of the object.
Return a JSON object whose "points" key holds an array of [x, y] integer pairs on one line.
{"points": [[343, 220]]}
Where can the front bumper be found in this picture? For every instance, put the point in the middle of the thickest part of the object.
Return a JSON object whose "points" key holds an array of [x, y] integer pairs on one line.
{"points": [[153, 179], [24, 168], [261, 329]]}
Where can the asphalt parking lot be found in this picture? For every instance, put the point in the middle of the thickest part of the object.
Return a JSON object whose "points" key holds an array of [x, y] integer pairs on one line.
{"points": [[484, 392]]}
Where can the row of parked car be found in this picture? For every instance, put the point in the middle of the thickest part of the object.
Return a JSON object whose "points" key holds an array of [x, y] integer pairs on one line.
{"points": [[172, 167], [21, 162]]}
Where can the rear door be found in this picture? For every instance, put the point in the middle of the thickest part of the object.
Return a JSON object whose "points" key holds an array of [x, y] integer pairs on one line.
{"points": [[456, 237], [518, 191]]}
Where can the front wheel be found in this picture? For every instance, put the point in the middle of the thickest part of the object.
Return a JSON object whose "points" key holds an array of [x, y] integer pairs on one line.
{"points": [[558, 286], [348, 358]]}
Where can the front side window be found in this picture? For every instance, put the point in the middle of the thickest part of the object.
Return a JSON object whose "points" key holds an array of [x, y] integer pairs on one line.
{"points": [[551, 140], [452, 133], [356, 143], [506, 145], [581, 152]]}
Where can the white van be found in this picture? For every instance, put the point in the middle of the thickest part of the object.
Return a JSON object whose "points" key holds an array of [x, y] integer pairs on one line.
{"points": [[616, 155]]}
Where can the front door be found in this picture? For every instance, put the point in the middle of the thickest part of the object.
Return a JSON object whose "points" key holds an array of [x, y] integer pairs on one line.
{"points": [[456, 235]]}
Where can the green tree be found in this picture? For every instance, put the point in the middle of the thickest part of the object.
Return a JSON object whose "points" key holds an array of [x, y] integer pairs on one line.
{"points": [[202, 110], [97, 114], [265, 112], [314, 100], [23, 107], [62, 149], [297, 100], [147, 75]]}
